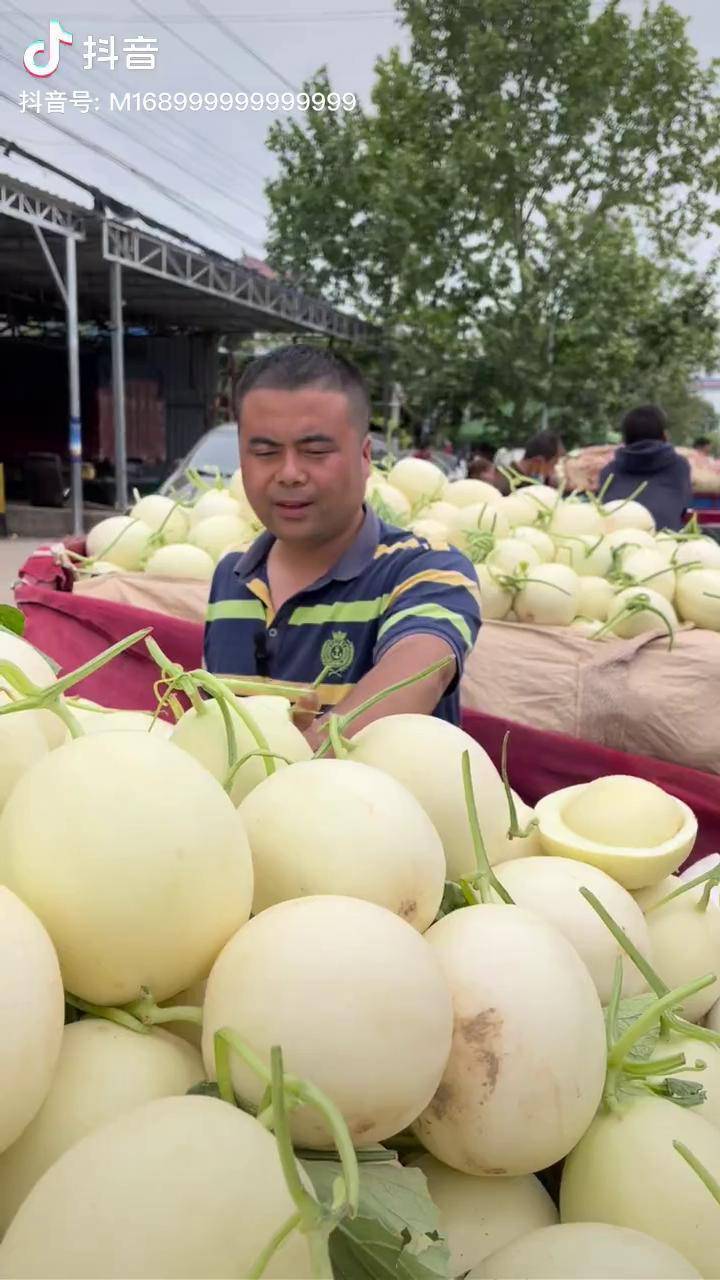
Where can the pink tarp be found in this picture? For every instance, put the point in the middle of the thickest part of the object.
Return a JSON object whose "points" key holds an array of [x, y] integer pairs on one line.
{"points": [[73, 629]]}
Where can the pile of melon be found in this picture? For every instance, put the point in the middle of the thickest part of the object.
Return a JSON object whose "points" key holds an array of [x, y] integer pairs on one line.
{"points": [[499, 1028]]}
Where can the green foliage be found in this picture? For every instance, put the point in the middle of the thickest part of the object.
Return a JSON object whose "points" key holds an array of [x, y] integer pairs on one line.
{"points": [[396, 1230], [12, 620], [516, 209]]}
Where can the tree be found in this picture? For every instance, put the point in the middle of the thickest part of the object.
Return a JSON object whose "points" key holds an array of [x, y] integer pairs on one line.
{"points": [[487, 211]]}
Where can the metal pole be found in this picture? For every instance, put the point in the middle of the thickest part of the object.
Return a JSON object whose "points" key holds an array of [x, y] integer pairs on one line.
{"points": [[118, 385], [73, 344]]}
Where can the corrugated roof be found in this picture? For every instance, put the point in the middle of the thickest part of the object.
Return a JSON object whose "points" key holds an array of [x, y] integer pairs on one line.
{"points": [[168, 281]]}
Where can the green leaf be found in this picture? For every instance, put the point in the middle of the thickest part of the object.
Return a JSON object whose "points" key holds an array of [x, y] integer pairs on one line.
{"points": [[629, 1011], [204, 1089], [452, 900], [395, 1233], [684, 1093], [12, 619]]}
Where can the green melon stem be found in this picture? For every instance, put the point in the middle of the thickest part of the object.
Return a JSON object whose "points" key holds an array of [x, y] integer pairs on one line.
{"points": [[91, 560], [651, 1016], [251, 755], [704, 1174], [260, 1266], [657, 1066], [669, 1021], [708, 878], [229, 703], [340, 746], [225, 1043], [151, 1014], [108, 1013], [484, 879], [51, 697], [632, 498], [245, 688], [613, 1009], [349, 719], [515, 831]]}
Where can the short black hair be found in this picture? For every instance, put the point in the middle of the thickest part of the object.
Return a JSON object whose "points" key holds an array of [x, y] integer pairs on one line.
{"points": [[646, 422], [296, 366], [544, 444], [702, 442]]}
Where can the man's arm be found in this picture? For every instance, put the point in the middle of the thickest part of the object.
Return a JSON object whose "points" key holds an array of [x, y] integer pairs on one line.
{"points": [[432, 612], [408, 657]]}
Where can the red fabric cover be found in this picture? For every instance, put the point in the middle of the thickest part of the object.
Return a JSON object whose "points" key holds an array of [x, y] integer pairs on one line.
{"points": [[74, 629], [539, 763]]}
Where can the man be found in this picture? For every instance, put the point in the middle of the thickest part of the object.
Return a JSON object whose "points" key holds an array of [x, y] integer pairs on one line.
{"points": [[647, 456], [330, 595], [704, 445], [542, 453]]}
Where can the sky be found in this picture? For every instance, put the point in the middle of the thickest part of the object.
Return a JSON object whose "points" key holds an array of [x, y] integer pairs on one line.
{"points": [[199, 171], [205, 169]]}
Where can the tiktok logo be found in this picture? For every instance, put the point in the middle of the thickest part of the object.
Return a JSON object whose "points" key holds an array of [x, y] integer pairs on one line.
{"points": [[52, 54]]}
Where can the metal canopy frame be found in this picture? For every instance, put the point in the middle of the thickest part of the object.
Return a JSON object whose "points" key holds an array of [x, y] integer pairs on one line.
{"points": [[42, 211], [228, 281], [44, 214], [193, 288]]}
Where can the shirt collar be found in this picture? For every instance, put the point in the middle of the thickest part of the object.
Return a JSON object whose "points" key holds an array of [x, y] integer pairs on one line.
{"points": [[350, 565]]}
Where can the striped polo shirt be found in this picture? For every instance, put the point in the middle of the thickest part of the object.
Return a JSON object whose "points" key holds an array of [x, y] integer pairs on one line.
{"points": [[388, 585]]}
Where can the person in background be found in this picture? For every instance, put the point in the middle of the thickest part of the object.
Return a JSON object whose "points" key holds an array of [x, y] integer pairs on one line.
{"points": [[481, 465], [703, 444], [542, 453], [330, 595], [648, 457]]}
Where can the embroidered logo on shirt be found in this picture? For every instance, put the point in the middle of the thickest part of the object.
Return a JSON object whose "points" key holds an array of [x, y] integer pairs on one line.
{"points": [[337, 653]]}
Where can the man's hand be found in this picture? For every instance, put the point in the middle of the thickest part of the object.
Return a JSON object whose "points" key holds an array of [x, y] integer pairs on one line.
{"points": [[305, 711], [405, 659]]}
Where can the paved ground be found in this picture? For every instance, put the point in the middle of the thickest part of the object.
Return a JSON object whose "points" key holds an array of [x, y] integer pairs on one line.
{"points": [[13, 551]]}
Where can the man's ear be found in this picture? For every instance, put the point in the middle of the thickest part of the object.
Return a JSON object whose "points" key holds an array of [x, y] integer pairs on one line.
{"points": [[367, 454]]}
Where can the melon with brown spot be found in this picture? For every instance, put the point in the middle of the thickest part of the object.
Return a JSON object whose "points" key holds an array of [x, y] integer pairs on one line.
{"points": [[527, 1064]]}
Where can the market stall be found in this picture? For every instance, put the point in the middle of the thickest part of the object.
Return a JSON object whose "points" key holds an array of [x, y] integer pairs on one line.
{"points": [[73, 628], [371, 1014]]}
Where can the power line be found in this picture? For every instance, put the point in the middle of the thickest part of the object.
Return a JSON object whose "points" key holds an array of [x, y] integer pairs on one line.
{"points": [[189, 205], [9, 147], [162, 155], [230, 35], [187, 44], [197, 139], [261, 19]]}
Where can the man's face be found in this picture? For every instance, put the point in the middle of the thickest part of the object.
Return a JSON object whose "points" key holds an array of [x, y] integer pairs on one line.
{"points": [[304, 462]]}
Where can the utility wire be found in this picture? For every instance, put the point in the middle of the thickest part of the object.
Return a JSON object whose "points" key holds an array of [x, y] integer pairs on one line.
{"points": [[189, 205], [290, 17], [230, 35], [188, 44], [197, 139], [101, 198], [162, 155]]}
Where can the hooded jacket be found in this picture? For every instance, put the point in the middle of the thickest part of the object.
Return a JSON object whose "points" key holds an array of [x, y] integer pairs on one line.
{"points": [[668, 491]]}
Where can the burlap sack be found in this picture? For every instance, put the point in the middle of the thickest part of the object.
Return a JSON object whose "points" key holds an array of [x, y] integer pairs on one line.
{"points": [[632, 695], [184, 598]]}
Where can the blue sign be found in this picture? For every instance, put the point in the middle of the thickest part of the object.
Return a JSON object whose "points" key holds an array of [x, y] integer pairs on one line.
{"points": [[75, 442]]}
